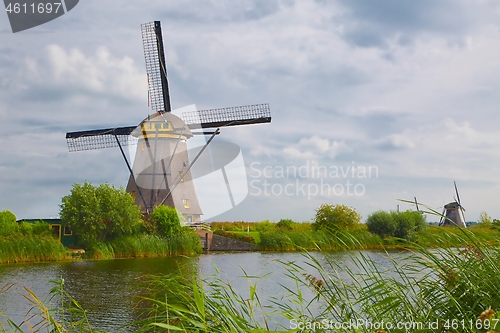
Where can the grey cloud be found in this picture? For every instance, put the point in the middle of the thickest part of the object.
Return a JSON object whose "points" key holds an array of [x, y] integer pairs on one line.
{"points": [[375, 23]]}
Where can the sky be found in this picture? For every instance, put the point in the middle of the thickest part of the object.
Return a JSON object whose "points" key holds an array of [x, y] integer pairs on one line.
{"points": [[372, 101]]}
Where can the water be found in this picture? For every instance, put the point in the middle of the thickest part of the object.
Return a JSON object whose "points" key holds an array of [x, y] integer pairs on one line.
{"points": [[110, 289]]}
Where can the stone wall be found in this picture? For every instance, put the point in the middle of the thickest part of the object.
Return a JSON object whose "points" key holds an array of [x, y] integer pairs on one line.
{"points": [[221, 243]]}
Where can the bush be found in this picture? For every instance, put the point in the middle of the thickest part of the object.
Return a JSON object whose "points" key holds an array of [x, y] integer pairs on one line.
{"points": [[167, 220], [406, 225], [265, 226], [286, 224], [381, 223], [8, 224], [336, 218], [98, 213]]}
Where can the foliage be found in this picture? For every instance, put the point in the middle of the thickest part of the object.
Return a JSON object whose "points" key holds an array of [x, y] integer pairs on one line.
{"points": [[265, 226], [35, 229], [408, 224], [405, 225], [98, 213], [167, 220], [381, 223], [26, 248], [484, 219], [285, 224], [8, 224], [335, 218]]}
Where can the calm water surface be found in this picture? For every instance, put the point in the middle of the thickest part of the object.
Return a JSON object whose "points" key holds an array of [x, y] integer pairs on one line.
{"points": [[110, 289]]}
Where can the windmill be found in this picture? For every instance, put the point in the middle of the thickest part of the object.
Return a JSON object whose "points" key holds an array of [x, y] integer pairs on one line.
{"points": [[160, 173], [453, 213]]}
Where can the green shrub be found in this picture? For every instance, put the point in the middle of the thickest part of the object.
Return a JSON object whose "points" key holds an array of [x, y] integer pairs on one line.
{"points": [[167, 220], [8, 224], [285, 224], [99, 213], [265, 226], [381, 223], [406, 225], [336, 218]]}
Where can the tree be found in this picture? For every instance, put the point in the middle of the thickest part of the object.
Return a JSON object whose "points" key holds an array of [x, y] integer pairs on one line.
{"points": [[286, 224], [98, 213], [167, 220], [381, 223], [404, 225], [336, 217], [484, 219], [8, 224]]}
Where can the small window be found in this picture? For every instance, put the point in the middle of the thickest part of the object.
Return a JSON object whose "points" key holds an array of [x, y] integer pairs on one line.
{"points": [[186, 203], [68, 231], [190, 218], [158, 125]]}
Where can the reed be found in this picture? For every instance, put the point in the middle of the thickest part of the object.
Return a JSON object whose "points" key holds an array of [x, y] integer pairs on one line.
{"points": [[146, 245], [19, 247]]}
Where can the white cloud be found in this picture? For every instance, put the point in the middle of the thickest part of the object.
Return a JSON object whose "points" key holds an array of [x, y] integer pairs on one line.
{"points": [[315, 147], [100, 72]]}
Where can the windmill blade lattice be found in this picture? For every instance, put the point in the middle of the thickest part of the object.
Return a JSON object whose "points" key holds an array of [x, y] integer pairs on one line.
{"points": [[156, 67], [99, 139], [231, 116]]}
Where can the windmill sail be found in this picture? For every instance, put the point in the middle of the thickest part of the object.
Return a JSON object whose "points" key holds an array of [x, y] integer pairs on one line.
{"points": [[156, 66]]}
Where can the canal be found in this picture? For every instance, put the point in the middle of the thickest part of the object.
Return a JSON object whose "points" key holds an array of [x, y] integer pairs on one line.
{"points": [[111, 289]]}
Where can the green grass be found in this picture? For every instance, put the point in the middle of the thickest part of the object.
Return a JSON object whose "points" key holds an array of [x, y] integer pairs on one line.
{"points": [[145, 245], [254, 234], [19, 247]]}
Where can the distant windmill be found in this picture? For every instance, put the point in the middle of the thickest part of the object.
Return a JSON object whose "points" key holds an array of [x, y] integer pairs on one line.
{"points": [[161, 170], [453, 213]]}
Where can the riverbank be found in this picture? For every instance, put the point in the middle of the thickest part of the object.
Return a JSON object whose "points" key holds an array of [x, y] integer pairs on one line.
{"points": [[265, 236], [301, 236]]}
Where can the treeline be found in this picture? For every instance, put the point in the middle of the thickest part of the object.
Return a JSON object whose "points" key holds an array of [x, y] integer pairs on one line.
{"points": [[337, 227]]}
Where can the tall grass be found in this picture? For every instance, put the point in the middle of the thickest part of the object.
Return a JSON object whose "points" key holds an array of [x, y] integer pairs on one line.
{"points": [[19, 247], [299, 240], [145, 245]]}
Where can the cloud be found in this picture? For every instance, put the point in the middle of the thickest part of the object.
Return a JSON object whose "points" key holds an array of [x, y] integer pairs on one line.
{"points": [[315, 147], [395, 141]]}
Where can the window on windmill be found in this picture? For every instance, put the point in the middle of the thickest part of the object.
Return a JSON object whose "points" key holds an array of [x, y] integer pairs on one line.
{"points": [[186, 203], [181, 176], [158, 125], [166, 125]]}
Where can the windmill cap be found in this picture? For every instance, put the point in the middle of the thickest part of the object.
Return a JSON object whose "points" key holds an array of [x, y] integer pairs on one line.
{"points": [[164, 124]]}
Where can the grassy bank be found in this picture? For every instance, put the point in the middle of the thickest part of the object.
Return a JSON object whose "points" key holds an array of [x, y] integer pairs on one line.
{"points": [[301, 236], [20, 248], [145, 245]]}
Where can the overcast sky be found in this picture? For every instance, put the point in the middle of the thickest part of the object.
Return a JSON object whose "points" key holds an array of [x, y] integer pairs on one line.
{"points": [[405, 89]]}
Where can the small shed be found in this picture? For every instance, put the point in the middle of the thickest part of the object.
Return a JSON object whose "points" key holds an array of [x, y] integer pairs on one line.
{"points": [[59, 230]]}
